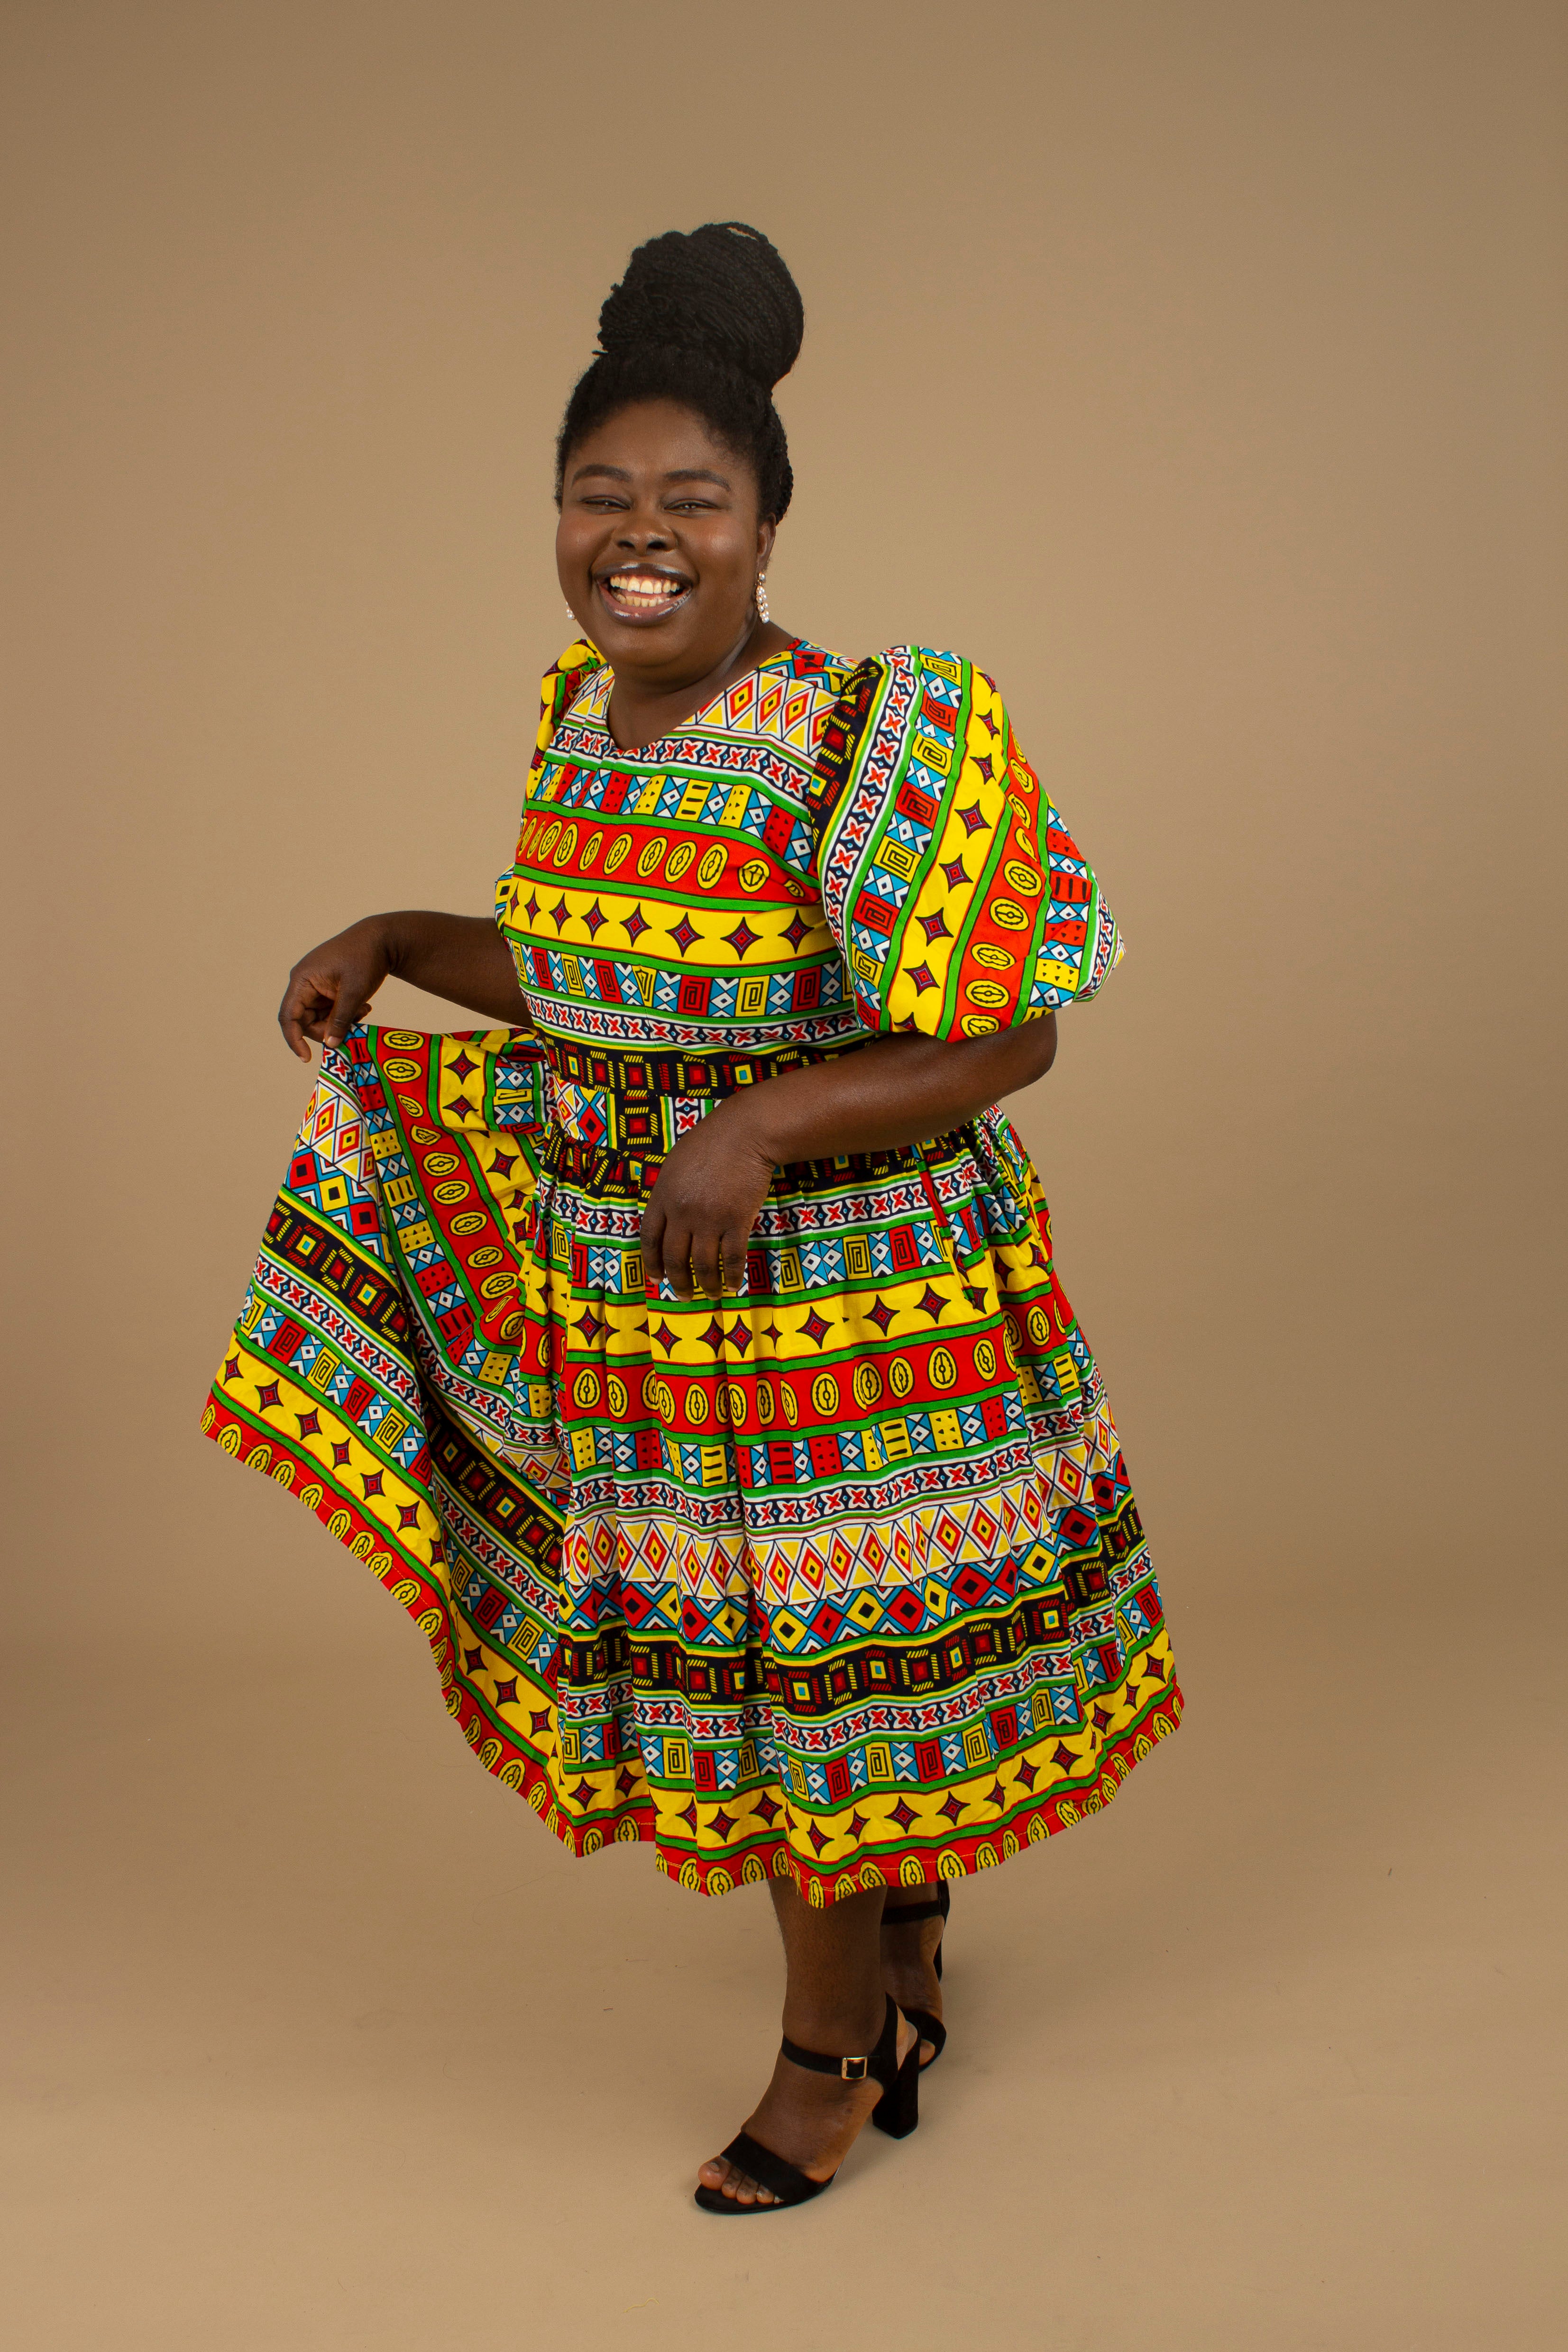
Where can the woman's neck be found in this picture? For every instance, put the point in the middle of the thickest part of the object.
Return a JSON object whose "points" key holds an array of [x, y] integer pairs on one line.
{"points": [[642, 711]]}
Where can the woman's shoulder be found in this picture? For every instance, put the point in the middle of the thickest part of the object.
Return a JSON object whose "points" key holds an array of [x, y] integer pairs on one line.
{"points": [[561, 688], [921, 691], [953, 671], [923, 701]]}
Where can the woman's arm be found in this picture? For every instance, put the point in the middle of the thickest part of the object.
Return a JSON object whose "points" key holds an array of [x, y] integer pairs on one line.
{"points": [[461, 957], [900, 1090]]}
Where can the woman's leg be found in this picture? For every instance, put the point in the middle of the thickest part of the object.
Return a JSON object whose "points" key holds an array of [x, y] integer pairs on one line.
{"points": [[909, 1957], [833, 2003]]}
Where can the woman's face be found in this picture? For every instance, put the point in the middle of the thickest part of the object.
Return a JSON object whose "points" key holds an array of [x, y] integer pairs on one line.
{"points": [[661, 544]]}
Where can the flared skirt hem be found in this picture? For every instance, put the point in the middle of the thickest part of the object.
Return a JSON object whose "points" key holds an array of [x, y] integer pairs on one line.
{"points": [[785, 1840]]}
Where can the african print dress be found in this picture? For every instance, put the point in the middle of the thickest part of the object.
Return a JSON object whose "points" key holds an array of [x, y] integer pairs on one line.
{"points": [[841, 1577]]}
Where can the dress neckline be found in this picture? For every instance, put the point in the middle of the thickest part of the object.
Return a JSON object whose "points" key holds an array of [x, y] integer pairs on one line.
{"points": [[786, 654]]}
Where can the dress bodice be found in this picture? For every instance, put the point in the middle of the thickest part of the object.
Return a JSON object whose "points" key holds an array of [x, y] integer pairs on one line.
{"points": [[825, 852], [663, 906]]}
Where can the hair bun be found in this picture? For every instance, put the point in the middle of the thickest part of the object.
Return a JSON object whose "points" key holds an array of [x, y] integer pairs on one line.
{"points": [[721, 289]]}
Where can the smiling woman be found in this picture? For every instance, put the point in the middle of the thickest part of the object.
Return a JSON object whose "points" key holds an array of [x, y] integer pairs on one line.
{"points": [[686, 1352]]}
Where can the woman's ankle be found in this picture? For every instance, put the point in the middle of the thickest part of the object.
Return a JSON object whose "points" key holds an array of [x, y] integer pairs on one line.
{"points": [[849, 2022]]}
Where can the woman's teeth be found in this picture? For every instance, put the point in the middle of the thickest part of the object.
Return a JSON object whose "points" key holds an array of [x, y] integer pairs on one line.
{"points": [[640, 588]]}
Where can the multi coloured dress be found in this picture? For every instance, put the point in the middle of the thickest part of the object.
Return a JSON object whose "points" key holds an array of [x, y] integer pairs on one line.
{"points": [[841, 1577]]}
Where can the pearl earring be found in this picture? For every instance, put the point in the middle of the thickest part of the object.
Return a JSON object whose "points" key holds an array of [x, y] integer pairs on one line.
{"points": [[762, 613], [576, 625]]}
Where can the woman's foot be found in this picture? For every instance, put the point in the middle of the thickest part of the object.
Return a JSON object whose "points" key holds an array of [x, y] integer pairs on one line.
{"points": [[811, 2120], [908, 1961]]}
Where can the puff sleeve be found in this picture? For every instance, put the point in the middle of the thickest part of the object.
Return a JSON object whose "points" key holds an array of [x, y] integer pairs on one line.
{"points": [[961, 903]]}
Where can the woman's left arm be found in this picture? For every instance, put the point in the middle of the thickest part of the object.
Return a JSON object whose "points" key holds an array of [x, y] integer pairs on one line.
{"points": [[900, 1090]]}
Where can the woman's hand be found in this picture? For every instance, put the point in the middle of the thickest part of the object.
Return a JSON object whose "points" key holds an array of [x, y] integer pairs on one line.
{"points": [[703, 1210], [330, 989], [461, 957], [878, 1097]]}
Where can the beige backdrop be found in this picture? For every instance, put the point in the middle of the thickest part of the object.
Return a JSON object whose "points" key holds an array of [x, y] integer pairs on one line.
{"points": [[1199, 367]]}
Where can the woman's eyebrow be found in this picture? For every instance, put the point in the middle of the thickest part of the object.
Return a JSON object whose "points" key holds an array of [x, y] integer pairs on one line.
{"points": [[697, 474], [615, 473]]}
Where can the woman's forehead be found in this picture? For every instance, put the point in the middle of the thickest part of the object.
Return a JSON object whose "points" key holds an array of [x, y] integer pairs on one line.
{"points": [[657, 437]]}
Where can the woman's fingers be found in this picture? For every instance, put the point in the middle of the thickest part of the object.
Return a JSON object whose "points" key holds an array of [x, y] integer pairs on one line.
{"points": [[720, 1264], [331, 988], [699, 1221], [652, 1246], [299, 1014], [734, 1243], [705, 1263], [665, 1250], [321, 1005], [324, 1007], [350, 1004], [719, 1257], [676, 1252]]}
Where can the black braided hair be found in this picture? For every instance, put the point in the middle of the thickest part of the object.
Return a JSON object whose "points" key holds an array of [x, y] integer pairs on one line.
{"points": [[711, 319]]}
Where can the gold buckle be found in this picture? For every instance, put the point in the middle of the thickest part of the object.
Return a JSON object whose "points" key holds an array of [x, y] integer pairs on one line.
{"points": [[853, 2070]]}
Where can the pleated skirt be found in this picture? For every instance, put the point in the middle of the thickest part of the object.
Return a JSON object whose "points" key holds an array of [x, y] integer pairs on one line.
{"points": [[841, 1579]]}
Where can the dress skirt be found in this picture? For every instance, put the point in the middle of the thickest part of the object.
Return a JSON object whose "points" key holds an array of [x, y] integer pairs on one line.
{"points": [[841, 1579]]}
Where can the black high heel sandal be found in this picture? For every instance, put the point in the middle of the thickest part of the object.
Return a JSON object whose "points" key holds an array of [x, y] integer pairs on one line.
{"points": [[930, 2029], [897, 2113]]}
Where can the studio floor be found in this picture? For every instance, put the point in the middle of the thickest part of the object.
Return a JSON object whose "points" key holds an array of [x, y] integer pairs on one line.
{"points": [[320, 2041]]}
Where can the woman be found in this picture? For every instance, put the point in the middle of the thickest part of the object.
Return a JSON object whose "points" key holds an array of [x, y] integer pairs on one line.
{"points": [[684, 1349]]}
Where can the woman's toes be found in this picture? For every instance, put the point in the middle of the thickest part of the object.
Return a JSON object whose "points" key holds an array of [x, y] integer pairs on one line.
{"points": [[731, 2182]]}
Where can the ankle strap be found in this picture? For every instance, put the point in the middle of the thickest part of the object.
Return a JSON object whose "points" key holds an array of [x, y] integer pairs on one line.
{"points": [[895, 1914], [848, 2070]]}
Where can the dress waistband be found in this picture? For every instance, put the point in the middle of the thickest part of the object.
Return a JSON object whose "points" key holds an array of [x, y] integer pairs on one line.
{"points": [[674, 1073], [643, 1102]]}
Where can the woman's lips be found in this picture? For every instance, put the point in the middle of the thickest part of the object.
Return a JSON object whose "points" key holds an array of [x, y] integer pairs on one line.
{"points": [[643, 595]]}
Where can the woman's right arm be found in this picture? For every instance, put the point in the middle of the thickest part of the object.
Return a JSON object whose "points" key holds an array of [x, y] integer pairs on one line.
{"points": [[461, 957]]}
